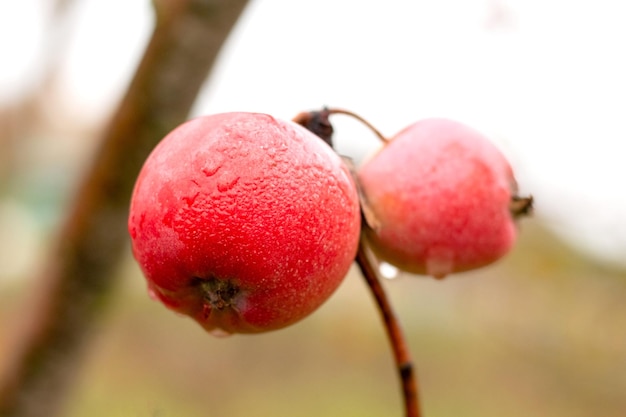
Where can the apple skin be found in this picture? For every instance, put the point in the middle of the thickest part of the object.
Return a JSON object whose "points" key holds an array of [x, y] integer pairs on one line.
{"points": [[440, 192], [244, 222]]}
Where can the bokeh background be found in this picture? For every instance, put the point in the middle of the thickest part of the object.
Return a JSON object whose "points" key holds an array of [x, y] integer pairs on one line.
{"points": [[541, 333]]}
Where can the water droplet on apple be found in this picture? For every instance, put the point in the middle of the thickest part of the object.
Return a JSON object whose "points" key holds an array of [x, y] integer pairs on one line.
{"points": [[388, 271], [227, 184], [217, 332], [211, 169], [153, 294], [439, 267]]}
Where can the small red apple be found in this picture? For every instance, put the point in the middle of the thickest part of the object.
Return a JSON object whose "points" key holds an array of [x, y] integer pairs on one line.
{"points": [[441, 193], [244, 222]]}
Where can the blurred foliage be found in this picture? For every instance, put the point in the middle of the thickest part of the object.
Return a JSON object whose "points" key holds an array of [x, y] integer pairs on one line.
{"points": [[540, 333]]}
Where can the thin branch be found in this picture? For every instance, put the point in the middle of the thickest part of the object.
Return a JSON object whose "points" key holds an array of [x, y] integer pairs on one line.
{"points": [[318, 122], [79, 276], [370, 126], [401, 354]]}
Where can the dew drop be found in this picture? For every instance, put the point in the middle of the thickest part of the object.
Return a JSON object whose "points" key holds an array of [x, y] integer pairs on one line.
{"points": [[211, 170], [438, 267], [227, 184], [152, 293], [217, 332], [388, 271], [439, 261], [189, 200]]}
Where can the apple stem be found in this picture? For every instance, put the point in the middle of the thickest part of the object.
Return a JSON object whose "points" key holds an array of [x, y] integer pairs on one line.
{"points": [[371, 127], [318, 123], [404, 364]]}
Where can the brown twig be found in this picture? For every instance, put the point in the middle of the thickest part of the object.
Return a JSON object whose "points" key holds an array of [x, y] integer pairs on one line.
{"points": [[318, 122], [371, 127], [78, 277], [399, 345]]}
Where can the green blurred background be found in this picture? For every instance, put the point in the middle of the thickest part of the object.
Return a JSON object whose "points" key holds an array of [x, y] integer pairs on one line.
{"points": [[540, 333]]}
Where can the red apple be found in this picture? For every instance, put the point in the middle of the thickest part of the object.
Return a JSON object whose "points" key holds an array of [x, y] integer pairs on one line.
{"points": [[244, 222], [440, 192]]}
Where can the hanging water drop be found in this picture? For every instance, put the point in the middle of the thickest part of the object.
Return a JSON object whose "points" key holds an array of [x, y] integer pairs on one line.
{"points": [[388, 271], [217, 332]]}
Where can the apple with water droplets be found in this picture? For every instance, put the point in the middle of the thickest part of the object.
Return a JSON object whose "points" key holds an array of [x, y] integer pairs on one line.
{"points": [[442, 197], [244, 222]]}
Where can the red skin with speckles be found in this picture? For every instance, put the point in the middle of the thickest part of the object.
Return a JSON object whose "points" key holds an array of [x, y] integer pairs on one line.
{"points": [[441, 193], [244, 222]]}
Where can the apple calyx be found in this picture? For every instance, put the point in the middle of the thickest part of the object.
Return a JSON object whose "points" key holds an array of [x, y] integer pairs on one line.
{"points": [[521, 206], [218, 294]]}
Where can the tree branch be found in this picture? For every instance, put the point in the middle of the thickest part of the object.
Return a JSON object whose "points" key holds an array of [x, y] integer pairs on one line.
{"points": [[318, 122], [78, 277], [404, 364]]}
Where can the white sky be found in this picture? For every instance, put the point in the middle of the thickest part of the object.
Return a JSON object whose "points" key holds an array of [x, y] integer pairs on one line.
{"points": [[546, 79]]}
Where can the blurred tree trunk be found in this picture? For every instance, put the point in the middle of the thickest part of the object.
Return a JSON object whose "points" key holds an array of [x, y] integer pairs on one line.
{"points": [[79, 276]]}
